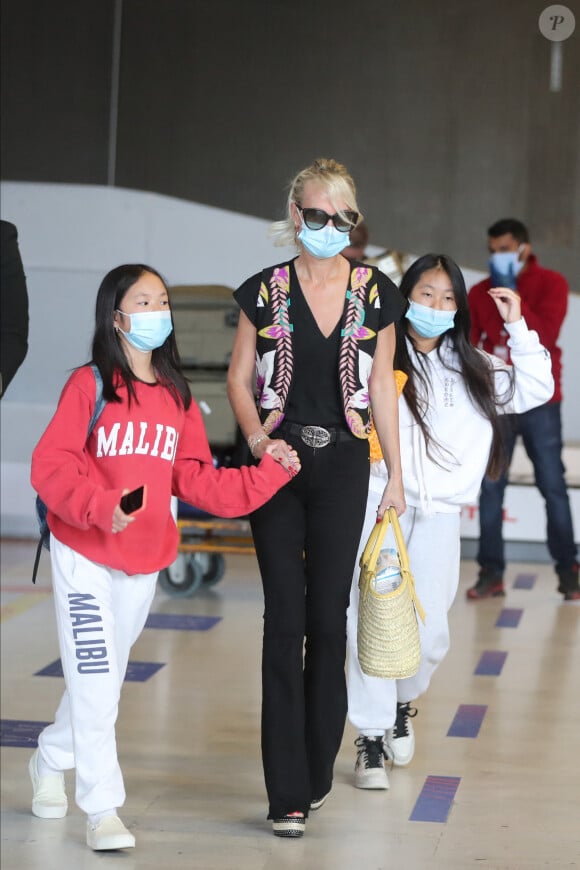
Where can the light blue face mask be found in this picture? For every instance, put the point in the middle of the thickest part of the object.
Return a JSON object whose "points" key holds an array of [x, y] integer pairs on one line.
{"points": [[323, 243], [429, 322], [504, 268], [149, 329]]}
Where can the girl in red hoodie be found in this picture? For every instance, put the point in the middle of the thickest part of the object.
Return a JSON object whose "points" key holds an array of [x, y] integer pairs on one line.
{"points": [[105, 561]]}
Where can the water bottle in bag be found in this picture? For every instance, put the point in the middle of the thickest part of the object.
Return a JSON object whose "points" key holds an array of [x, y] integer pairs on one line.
{"points": [[388, 576]]}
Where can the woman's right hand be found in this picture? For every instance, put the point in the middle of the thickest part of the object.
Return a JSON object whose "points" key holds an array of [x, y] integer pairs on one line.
{"points": [[281, 452], [393, 496]]}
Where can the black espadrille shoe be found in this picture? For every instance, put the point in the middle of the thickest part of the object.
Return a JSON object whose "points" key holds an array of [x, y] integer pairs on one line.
{"points": [[292, 825]]}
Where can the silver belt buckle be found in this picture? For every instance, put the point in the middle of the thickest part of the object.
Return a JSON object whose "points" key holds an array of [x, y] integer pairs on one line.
{"points": [[315, 436]]}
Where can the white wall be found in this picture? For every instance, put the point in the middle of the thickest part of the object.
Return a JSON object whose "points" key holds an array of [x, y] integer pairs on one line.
{"points": [[70, 236]]}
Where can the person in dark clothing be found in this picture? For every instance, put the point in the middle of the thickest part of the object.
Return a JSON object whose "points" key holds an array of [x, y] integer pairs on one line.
{"points": [[13, 307], [544, 302], [358, 240]]}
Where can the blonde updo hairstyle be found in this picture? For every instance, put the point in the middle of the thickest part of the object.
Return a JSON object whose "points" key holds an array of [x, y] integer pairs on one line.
{"points": [[336, 181]]}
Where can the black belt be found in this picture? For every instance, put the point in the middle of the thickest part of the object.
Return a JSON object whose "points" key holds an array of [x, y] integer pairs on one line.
{"points": [[316, 436]]}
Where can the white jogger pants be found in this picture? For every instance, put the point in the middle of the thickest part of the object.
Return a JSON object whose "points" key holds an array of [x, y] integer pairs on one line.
{"points": [[100, 613], [433, 545]]}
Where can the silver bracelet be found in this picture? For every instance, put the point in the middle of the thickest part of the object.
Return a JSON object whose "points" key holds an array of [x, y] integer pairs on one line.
{"points": [[254, 440]]}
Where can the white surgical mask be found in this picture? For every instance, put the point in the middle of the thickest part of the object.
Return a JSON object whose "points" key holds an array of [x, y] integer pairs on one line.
{"points": [[149, 329]]}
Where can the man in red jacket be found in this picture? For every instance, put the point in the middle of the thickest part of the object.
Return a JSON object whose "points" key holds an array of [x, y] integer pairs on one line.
{"points": [[544, 296]]}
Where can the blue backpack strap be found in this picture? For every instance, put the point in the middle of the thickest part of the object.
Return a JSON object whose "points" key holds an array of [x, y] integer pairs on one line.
{"points": [[43, 542], [100, 402], [41, 508]]}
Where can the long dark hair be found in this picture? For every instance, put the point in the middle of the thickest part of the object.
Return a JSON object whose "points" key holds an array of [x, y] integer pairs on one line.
{"points": [[474, 369], [107, 350]]}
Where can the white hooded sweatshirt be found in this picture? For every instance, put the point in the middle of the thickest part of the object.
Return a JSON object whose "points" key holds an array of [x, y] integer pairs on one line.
{"points": [[464, 436]]}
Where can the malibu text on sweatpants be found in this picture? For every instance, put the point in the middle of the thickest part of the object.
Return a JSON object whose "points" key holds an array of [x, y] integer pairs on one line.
{"points": [[86, 622]]}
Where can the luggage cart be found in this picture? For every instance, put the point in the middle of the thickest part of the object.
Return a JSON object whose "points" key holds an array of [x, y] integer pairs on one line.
{"points": [[206, 318], [203, 541]]}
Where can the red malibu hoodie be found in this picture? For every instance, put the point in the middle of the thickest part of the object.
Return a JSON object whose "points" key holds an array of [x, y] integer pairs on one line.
{"points": [[152, 441], [544, 296]]}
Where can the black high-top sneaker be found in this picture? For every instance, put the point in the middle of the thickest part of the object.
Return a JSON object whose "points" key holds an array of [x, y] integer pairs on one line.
{"points": [[400, 739], [489, 585], [568, 584]]}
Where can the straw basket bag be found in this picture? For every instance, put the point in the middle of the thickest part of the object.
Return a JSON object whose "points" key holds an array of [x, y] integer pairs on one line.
{"points": [[388, 631]]}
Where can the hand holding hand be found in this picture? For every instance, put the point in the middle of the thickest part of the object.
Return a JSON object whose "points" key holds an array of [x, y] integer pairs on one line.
{"points": [[283, 453], [508, 303]]}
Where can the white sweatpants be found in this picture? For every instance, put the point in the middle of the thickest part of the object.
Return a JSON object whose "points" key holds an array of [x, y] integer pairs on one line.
{"points": [[100, 613], [433, 545]]}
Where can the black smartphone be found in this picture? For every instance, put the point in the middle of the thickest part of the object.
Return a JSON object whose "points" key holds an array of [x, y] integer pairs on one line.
{"points": [[133, 501]]}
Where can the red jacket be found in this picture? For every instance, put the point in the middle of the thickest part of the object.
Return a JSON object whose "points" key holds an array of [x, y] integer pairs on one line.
{"points": [[544, 296], [152, 441]]}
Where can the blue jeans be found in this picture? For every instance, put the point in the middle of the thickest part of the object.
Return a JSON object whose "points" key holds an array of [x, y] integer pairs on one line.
{"points": [[541, 431]]}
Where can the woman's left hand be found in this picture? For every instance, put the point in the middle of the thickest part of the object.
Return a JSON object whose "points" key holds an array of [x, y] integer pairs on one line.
{"points": [[508, 303], [393, 496]]}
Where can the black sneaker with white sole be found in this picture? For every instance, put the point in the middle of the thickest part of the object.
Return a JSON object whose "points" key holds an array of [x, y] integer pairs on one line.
{"points": [[369, 770], [316, 803], [400, 739]]}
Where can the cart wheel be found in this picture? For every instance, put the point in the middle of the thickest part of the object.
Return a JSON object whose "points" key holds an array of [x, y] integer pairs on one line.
{"points": [[213, 566], [182, 578]]}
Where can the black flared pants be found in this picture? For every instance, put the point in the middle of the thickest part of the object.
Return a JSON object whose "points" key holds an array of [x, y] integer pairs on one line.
{"points": [[306, 540]]}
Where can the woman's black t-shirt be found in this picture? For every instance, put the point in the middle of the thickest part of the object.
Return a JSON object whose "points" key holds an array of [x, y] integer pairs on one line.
{"points": [[314, 397]]}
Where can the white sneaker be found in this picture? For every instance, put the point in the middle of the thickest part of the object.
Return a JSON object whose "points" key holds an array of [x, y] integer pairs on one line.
{"points": [[49, 799], [110, 833], [369, 770], [400, 739]]}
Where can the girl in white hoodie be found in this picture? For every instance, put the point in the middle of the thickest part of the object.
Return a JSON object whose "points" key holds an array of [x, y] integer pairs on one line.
{"points": [[448, 416]]}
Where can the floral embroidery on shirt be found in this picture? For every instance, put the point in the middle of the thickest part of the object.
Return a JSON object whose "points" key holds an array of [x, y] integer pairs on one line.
{"points": [[361, 398], [354, 366], [280, 331], [267, 398], [275, 368]]}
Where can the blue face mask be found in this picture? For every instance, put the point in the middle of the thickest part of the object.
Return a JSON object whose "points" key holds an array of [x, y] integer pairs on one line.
{"points": [[149, 329], [429, 322], [504, 268], [323, 243]]}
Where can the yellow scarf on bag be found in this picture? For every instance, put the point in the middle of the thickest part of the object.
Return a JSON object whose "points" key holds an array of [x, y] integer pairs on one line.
{"points": [[376, 453]]}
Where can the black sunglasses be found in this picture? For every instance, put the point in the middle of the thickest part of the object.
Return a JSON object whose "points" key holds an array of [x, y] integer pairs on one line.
{"points": [[317, 218]]}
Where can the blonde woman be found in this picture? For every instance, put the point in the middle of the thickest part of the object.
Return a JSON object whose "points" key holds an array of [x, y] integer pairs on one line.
{"points": [[317, 335]]}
